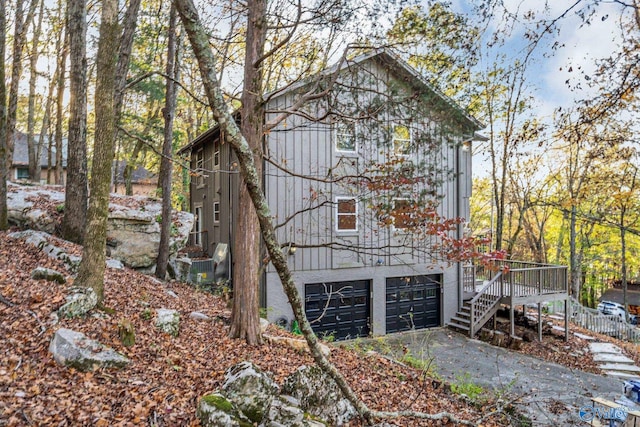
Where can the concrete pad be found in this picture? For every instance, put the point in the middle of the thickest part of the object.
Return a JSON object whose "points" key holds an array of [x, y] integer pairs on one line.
{"points": [[612, 358], [583, 336], [604, 347], [619, 367]]}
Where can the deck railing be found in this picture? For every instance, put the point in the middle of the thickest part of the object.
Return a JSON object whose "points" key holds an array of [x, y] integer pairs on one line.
{"points": [[513, 280]]}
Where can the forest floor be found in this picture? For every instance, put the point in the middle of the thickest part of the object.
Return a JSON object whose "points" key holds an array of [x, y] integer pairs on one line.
{"points": [[167, 376]]}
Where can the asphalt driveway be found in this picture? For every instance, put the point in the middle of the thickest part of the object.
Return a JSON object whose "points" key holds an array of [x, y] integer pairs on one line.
{"points": [[549, 394]]}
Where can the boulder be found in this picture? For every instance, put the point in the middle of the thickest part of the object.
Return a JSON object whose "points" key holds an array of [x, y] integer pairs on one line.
{"points": [[285, 411], [79, 302], [74, 349], [319, 395], [215, 410], [251, 390], [133, 230], [196, 315], [168, 321], [41, 240], [42, 273]]}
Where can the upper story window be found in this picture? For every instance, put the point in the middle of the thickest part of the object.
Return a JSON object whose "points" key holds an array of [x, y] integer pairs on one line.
{"points": [[346, 214], [199, 168], [403, 214], [345, 137], [401, 140], [216, 155]]}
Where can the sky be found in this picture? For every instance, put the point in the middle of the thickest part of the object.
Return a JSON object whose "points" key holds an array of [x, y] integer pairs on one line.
{"points": [[582, 44]]}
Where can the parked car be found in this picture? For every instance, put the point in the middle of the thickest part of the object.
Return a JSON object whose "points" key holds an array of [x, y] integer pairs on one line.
{"points": [[613, 308]]}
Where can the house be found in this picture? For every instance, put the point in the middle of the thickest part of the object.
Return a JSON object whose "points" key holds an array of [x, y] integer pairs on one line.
{"points": [[20, 164], [346, 176], [143, 181]]}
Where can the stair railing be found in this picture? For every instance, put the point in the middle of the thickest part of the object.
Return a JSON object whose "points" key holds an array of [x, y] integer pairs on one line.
{"points": [[484, 303]]}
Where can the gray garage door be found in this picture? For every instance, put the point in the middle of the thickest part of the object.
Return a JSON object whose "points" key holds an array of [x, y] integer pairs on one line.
{"points": [[413, 302], [339, 309]]}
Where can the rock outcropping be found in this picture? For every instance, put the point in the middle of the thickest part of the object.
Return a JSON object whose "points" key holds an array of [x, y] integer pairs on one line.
{"points": [[133, 233]]}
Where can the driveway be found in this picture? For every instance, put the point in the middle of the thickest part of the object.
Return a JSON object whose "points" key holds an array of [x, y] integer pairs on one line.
{"points": [[549, 394]]}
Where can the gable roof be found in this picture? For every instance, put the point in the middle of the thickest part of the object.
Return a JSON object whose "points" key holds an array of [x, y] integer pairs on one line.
{"points": [[389, 60], [21, 151]]}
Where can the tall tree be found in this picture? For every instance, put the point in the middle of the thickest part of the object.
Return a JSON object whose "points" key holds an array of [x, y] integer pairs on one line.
{"points": [[34, 149], [4, 149], [166, 164], [245, 321], [76, 195], [21, 25], [92, 266]]}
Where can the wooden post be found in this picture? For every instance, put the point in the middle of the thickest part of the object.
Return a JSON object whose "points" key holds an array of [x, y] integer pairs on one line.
{"points": [[539, 321], [566, 320]]}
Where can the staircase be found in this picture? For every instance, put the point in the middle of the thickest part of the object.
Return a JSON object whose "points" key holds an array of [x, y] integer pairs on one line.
{"points": [[507, 282], [461, 322]]}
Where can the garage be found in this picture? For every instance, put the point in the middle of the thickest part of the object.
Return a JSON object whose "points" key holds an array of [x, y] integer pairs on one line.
{"points": [[413, 302], [339, 309]]}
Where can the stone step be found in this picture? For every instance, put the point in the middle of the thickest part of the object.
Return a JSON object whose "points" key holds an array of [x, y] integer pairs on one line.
{"points": [[612, 358], [621, 367], [604, 347]]}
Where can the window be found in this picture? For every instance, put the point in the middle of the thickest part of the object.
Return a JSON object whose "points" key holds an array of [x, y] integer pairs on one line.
{"points": [[403, 214], [197, 226], [401, 140], [200, 168], [216, 212], [216, 155], [22, 173], [345, 137], [346, 214]]}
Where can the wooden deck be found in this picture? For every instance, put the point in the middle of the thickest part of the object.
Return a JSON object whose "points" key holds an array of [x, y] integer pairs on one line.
{"points": [[512, 283]]}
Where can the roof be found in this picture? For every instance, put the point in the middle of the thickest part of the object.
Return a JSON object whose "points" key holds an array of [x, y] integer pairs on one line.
{"points": [[617, 295], [21, 151], [140, 174], [389, 60]]}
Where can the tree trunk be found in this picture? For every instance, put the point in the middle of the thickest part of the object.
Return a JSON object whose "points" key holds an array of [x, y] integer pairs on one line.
{"points": [[19, 37], [623, 264], [574, 268], [166, 163], [62, 63], [92, 266], [5, 163], [34, 149], [245, 318], [75, 212]]}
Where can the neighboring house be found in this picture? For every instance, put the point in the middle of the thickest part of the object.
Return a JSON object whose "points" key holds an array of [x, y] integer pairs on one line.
{"points": [[358, 269], [143, 181], [20, 164]]}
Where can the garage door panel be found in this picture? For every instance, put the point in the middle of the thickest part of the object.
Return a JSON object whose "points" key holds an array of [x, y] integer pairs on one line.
{"points": [[412, 302], [343, 308]]}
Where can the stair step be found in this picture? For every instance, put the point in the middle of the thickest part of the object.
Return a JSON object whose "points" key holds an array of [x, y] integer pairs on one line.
{"points": [[459, 328], [461, 320]]}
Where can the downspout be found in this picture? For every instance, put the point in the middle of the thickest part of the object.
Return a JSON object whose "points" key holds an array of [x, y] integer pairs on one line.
{"points": [[460, 226]]}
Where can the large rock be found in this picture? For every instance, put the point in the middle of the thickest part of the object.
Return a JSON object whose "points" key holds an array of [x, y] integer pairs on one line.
{"points": [[43, 273], [42, 241], [319, 395], [250, 389], [74, 349], [168, 321], [215, 410], [133, 233], [79, 302], [285, 411]]}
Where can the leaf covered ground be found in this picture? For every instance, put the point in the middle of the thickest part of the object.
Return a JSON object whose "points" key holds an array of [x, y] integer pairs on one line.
{"points": [[167, 376]]}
